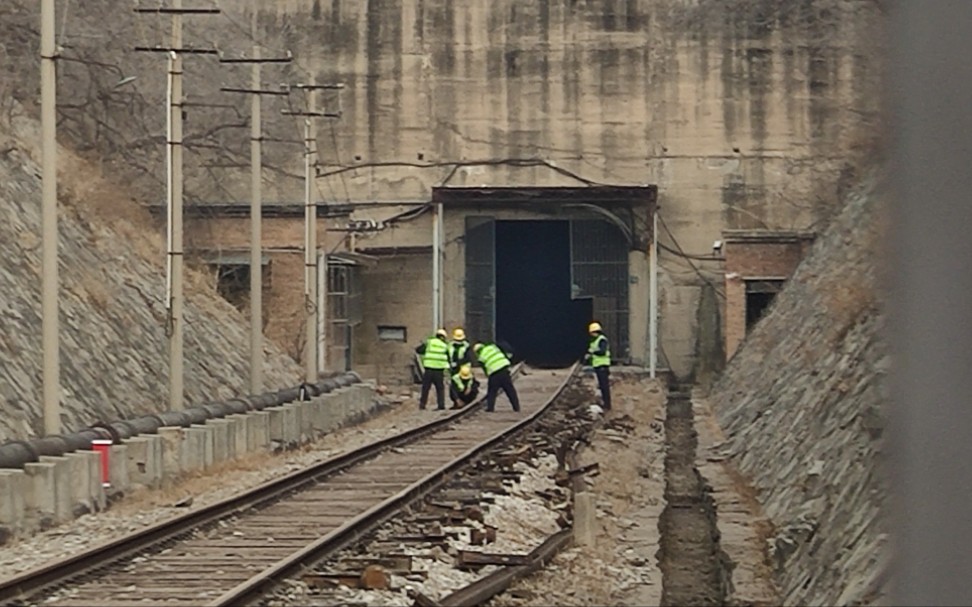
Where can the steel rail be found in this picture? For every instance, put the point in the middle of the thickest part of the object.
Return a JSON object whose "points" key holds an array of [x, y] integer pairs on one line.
{"points": [[254, 588], [34, 580]]}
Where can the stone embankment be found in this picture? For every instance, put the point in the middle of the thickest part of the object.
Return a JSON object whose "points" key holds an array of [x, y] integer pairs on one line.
{"points": [[802, 409], [112, 297]]}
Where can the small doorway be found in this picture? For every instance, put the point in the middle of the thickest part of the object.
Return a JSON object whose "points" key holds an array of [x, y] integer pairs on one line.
{"points": [[759, 295]]}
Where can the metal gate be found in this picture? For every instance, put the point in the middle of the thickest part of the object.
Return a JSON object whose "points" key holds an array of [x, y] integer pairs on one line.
{"points": [[344, 310], [480, 281], [599, 271], [598, 267]]}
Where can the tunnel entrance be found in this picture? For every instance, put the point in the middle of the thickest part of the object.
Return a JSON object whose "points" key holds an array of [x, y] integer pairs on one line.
{"points": [[535, 313]]}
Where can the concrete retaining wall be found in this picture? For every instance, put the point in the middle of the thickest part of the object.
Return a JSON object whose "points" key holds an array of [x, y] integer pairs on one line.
{"points": [[57, 489]]}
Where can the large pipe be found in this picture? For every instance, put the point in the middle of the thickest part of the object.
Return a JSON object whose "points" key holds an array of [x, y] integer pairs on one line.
{"points": [[14, 454]]}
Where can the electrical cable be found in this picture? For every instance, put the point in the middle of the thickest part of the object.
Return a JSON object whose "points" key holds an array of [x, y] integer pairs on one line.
{"points": [[455, 165], [689, 255], [337, 155], [688, 259]]}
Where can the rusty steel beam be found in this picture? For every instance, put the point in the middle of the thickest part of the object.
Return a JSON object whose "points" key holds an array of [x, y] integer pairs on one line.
{"points": [[486, 588]]}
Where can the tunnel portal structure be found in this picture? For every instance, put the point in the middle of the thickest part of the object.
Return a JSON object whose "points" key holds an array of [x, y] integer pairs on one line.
{"points": [[534, 266]]}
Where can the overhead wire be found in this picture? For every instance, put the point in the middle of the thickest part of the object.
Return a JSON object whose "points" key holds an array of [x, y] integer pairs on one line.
{"points": [[337, 155], [245, 31], [455, 165], [681, 253]]}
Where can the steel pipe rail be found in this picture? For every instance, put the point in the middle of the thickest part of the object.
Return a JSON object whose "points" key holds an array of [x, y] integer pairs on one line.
{"points": [[16, 453]]}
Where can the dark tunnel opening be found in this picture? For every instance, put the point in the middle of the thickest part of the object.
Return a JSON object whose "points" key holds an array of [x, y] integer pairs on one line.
{"points": [[534, 310]]}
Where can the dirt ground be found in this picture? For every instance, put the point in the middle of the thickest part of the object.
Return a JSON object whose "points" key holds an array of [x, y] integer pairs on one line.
{"points": [[620, 567]]}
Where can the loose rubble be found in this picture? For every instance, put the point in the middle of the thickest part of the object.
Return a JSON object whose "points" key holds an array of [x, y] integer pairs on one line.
{"points": [[620, 568], [501, 507]]}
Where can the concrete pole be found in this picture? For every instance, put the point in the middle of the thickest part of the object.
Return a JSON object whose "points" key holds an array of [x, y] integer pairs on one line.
{"points": [[49, 282], [653, 297], [436, 250], [175, 300], [256, 228], [321, 312], [440, 217], [310, 242]]}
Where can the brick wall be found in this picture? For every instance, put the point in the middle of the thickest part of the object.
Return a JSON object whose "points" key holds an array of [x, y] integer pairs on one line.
{"points": [[752, 256]]}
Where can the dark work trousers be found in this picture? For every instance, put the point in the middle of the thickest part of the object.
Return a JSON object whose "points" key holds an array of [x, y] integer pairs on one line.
{"points": [[501, 380], [604, 383], [458, 397], [433, 377]]}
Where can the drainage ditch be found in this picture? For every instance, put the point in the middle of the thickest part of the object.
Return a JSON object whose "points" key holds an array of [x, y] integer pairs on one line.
{"points": [[695, 570]]}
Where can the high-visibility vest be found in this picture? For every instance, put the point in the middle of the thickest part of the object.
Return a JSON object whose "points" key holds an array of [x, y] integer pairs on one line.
{"points": [[493, 358], [461, 384], [599, 360], [457, 351], [436, 354]]}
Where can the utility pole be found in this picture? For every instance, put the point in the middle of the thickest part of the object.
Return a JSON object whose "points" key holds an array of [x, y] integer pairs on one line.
{"points": [[310, 221], [653, 297], [174, 256], [256, 238], [437, 232], [49, 284]]}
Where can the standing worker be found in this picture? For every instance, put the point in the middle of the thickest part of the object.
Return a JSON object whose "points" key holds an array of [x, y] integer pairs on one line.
{"points": [[435, 361], [599, 356], [496, 364], [459, 353], [464, 388]]}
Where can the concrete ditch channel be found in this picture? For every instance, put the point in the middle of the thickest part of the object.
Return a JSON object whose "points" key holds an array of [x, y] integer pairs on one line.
{"points": [[695, 569]]}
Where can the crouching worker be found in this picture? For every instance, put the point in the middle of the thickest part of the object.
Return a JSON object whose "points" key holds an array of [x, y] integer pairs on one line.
{"points": [[464, 388], [496, 364]]}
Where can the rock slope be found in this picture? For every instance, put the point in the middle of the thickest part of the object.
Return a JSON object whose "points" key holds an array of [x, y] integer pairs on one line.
{"points": [[114, 361], [802, 406]]}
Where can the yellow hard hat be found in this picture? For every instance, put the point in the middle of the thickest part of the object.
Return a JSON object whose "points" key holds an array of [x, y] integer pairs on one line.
{"points": [[442, 333], [465, 371], [458, 333], [593, 327], [477, 347]]}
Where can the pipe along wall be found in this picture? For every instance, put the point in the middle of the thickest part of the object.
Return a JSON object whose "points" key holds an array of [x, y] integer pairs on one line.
{"points": [[52, 479]]}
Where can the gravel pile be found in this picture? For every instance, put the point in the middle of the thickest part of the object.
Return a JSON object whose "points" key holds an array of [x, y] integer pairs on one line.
{"points": [[523, 520]]}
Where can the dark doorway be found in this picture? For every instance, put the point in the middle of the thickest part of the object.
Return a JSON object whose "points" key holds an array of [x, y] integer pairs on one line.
{"points": [[534, 310], [759, 295]]}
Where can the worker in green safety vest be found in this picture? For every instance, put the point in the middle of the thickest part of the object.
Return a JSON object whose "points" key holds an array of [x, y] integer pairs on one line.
{"points": [[599, 357], [464, 388], [496, 363], [435, 362], [459, 350]]}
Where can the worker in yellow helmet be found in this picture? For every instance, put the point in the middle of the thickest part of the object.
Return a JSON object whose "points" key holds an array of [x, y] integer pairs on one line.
{"points": [[496, 362], [599, 357], [464, 387], [435, 362], [459, 352]]}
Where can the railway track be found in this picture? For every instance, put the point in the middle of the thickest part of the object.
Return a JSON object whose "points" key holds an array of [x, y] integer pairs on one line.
{"points": [[232, 552]]}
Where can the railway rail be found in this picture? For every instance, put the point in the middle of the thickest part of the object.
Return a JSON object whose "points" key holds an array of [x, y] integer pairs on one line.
{"points": [[234, 551]]}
